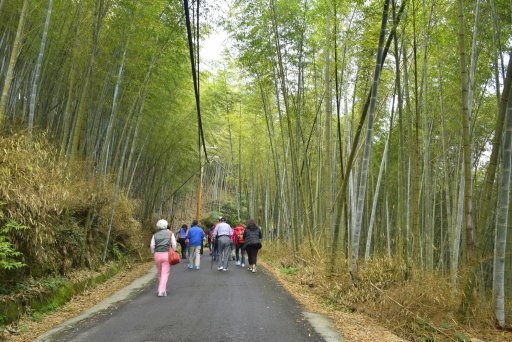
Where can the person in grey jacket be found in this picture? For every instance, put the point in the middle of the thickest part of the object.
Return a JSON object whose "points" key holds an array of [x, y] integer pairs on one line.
{"points": [[161, 241], [252, 237], [223, 233]]}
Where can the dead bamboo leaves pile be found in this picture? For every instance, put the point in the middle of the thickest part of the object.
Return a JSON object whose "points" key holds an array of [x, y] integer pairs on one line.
{"points": [[422, 305], [66, 213]]}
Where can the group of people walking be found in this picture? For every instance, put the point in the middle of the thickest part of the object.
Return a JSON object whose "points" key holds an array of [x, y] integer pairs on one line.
{"points": [[221, 241]]}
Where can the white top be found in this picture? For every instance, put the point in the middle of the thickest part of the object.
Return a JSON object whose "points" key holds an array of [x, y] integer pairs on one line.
{"points": [[222, 228]]}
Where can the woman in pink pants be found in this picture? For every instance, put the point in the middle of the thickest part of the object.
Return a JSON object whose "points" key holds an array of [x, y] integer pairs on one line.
{"points": [[161, 241]]}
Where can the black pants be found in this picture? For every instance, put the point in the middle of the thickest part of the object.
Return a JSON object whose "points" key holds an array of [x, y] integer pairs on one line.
{"points": [[252, 254], [183, 245], [215, 245]]}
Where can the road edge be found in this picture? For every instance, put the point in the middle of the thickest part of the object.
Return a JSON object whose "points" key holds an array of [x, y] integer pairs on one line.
{"points": [[105, 304], [321, 322], [323, 326]]}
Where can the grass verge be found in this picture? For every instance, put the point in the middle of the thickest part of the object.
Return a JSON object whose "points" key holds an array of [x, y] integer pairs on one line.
{"points": [[102, 284]]}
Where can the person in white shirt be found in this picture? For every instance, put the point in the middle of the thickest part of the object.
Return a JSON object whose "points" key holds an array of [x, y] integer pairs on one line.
{"points": [[223, 233]]}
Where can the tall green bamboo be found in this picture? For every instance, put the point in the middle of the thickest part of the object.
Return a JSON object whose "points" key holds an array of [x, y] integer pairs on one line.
{"points": [[466, 139], [38, 68], [502, 219], [12, 61], [368, 143]]}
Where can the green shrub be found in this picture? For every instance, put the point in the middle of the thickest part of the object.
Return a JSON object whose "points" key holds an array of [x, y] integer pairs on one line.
{"points": [[8, 253], [289, 270]]}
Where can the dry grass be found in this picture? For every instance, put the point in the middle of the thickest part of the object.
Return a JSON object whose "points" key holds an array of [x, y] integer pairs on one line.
{"points": [[354, 326], [422, 308], [67, 213]]}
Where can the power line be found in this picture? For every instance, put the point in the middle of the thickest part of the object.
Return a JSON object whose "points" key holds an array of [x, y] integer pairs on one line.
{"points": [[195, 70]]}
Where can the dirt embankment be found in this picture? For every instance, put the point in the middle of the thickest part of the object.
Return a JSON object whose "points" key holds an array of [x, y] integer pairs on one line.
{"points": [[30, 327]]}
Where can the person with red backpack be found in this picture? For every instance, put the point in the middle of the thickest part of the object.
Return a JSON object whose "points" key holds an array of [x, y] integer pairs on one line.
{"points": [[239, 240]]}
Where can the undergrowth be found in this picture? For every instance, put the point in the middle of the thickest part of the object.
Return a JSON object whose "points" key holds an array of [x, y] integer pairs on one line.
{"points": [[421, 307], [67, 213]]}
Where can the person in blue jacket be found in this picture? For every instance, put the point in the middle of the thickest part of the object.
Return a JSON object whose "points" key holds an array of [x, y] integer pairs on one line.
{"points": [[195, 237]]}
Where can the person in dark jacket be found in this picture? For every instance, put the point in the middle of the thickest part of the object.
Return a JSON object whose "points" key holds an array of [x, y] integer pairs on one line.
{"points": [[182, 237], [252, 245]]}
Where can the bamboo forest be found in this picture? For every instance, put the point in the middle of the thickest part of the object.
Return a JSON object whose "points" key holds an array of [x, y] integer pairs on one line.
{"points": [[371, 140]]}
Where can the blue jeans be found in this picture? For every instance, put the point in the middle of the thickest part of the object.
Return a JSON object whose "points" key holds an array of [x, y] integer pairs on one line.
{"points": [[241, 249]]}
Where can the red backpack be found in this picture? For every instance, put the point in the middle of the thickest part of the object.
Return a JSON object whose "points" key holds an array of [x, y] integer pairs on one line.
{"points": [[239, 237]]}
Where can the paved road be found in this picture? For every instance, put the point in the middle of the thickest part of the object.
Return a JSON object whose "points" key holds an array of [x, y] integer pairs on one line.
{"points": [[202, 305]]}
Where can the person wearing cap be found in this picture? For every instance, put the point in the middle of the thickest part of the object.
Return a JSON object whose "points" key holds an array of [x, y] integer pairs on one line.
{"points": [[161, 241], [223, 233]]}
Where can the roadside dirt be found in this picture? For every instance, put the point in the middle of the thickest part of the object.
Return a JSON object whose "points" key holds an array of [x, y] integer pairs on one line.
{"points": [[352, 326], [28, 328]]}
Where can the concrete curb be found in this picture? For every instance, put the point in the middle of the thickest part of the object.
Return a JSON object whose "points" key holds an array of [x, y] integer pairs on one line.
{"points": [[103, 305], [324, 326]]}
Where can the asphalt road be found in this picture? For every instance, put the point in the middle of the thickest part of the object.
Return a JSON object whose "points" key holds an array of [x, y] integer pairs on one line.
{"points": [[202, 305]]}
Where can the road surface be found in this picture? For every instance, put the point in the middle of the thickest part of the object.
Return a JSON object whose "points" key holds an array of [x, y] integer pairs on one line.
{"points": [[202, 305]]}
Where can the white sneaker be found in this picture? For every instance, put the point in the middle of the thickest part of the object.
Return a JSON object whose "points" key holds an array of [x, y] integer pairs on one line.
{"points": [[220, 268], [238, 263], [225, 269], [243, 265]]}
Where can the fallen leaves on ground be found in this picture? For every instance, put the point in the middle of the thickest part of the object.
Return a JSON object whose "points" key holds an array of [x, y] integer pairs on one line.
{"points": [[352, 326]]}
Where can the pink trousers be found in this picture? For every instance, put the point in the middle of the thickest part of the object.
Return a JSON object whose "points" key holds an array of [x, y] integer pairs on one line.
{"points": [[162, 267]]}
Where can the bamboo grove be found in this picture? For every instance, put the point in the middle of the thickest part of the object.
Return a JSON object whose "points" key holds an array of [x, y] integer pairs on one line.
{"points": [[110, 82], [354, 129], [371, 128]]}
